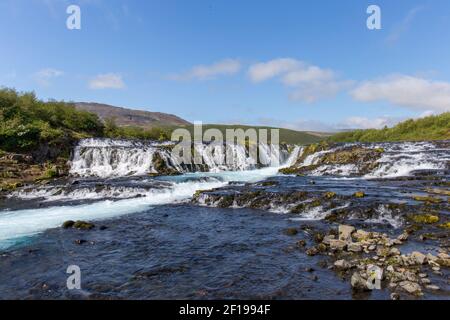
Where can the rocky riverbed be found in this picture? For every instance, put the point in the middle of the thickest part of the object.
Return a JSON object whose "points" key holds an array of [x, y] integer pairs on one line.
{"points": [[342, 221]]}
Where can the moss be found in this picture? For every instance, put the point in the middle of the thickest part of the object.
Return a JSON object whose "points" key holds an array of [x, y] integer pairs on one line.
{"points": [[359, 194], [298, 208], [83, 225], [289, 170], [226, 201], [424, 218], [379, 150], [330, 195], [291, 231], [427, 199], [314, 203], [49, 173], [10, 186], [445, 225], [68, 224]]}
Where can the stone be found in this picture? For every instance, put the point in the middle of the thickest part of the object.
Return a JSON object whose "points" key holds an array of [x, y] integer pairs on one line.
{"points": [[418, 258], [443, 255], [390, 269], [423, 275], [354, 247], [83, 225], [312, 251], [68, 224], [358, 283], [359, 194], [425, 281], [403, 237], [411, 287], [290, 232], [345, 232], [372, 247], [360, 235], [395, 296], [432, 287], [342, 264], [394, 252], [326, 239], [301, 243], [337, 245]]}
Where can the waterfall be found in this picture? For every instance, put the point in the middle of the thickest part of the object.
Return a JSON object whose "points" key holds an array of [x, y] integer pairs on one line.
{"points": [[114, 158], [398, 159]]}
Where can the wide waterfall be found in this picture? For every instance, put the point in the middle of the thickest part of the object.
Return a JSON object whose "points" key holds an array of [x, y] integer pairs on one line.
{"points": [[116, 158]]}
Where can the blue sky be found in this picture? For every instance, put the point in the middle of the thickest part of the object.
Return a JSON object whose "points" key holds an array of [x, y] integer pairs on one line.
{"points": [[309, 65]]}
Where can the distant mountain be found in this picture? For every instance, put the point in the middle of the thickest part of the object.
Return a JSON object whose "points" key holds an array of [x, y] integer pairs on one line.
{"points": [[129, 117]]}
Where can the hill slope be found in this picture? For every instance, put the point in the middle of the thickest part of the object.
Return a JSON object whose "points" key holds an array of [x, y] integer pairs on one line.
{"points": [[129, 117], [286, 135], [428, 128]]}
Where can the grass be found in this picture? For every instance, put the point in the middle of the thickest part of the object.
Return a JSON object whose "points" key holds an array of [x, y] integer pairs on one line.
{"points": [[429, 128], [286, 135]]}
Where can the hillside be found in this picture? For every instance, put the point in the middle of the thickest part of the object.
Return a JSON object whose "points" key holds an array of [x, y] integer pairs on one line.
{"points": [[428, 128], [286, 135], [129, 117]]}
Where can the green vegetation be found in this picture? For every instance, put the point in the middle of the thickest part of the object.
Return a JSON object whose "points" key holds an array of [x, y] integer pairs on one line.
{"points": [[26, 122], [428, 128], [287, 136]]}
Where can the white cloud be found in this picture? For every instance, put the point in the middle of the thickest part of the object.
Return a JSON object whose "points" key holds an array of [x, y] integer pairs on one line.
{"points": [[266, 70], [407, 91], [44, 76], [368, 123], [107, 81], [208, 72], [311, 82]]}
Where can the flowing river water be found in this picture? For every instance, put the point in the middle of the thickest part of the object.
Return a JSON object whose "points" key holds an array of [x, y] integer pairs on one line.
{"points": [[154, 239]]}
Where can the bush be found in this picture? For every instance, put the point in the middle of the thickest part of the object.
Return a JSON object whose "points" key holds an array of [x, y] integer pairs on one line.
{"points": [[428, 128]]}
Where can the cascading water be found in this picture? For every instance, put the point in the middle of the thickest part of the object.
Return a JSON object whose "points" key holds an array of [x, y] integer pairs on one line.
{"points": [[397, 159], [114, 158]]}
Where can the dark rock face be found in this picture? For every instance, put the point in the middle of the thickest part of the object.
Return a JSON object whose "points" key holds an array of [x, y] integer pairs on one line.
{"points": [[161, 166], [364, 159]]}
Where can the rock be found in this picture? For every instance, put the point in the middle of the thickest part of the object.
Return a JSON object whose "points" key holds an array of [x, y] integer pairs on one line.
{"points": [[443, 255], [80, 241], [345, 232], [444, 262], [403, 237], [354, 247], [423, 275], [395, 296], [425, 281], [358, 282], [411, 287], [383, 252], [83, 225], [301, 243], [312, 251], [68, 224], [418, 258], [432, 287], [390, 269], [424, 218], [337, 245], [359, 194], [290, 232], [372, 247], [342, 265], [326, 239], [394, 252], [361, 235]]}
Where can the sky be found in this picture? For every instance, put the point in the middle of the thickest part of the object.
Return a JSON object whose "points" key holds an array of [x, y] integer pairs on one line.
{"points": [[305, 65]]}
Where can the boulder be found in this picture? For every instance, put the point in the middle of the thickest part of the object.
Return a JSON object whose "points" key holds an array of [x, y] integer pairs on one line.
{"points": [[338, 245], [361, 235], [418, 258], [358, 282], [345, 232], [354, 247], [411, 287], [342, 265]]}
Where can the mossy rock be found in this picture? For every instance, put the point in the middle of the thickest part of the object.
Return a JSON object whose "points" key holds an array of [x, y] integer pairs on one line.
{"points": [[359, 194], [330, 195], [445, 225], [424, 218], [269, 183], [83, 225], [427, 199], [226, 201], [10, 186], [68, 224], [291, 231]]}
